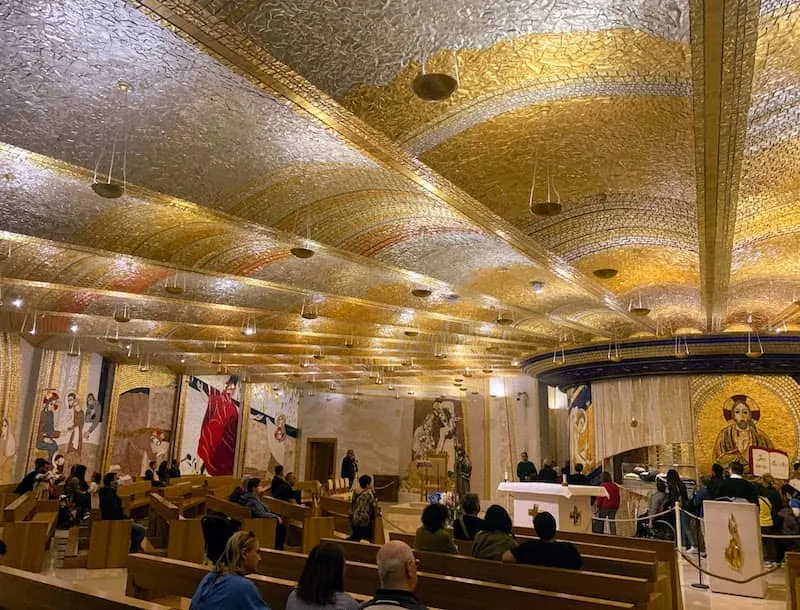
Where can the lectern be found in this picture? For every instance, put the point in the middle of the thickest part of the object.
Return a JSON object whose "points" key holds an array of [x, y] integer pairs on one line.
{"points": [[571, 505]]}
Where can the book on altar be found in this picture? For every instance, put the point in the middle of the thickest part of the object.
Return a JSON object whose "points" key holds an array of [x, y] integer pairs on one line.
{"points": [[769, 461]]}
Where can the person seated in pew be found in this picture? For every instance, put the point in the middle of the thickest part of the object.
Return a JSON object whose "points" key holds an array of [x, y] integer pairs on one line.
{"points": [[39, 473], [432, 535], [546, 551], [225, 587], [282, 488], [163, 473], [468, 524], [77, 490], [150, 475], [217, 529], [397, 574], [239, 491], [363, 510], [259, 510], [496, 537], [321, 583], [111, 510], [174, 470]]}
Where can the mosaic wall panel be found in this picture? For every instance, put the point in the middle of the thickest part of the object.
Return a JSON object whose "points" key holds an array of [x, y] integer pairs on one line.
{"points": [[734, 412], [143, 411], [70, 418], [210, 425], [271, 437]]}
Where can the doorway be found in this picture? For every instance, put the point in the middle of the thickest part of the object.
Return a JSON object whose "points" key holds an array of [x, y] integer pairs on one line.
{"points": [[320, 459]]}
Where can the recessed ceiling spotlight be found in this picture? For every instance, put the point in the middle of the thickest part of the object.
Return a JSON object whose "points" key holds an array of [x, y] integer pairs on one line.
{"points": [[515, 363], [183, 360], [537, 286], [73, 328]]}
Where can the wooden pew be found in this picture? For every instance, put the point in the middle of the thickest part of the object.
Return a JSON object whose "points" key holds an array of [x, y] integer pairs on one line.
{"points": [[222, 487], [134, 496], [186, 541], [20, 509], [28, 526], [665, 551], [152, 578], [593, 563], [447, 592], [25, 591], [313, 528], [363, 577], [189, 497], [109, 543], [7, 496], [792, 584], [234, 511], [340, 510]]}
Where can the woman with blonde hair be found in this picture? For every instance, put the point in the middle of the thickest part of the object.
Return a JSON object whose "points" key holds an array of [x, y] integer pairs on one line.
{"points": [[225, 587]]}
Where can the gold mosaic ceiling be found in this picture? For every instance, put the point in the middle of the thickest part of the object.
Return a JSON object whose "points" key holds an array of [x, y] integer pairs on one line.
{"points": [[253, 127]]}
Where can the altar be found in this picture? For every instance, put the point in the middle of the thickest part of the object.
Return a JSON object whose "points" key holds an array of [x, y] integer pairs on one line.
{"points": [[571, 505]]}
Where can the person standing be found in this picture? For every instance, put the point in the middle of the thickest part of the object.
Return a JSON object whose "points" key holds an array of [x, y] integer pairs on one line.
{"points": [[349, 467], [363, 510], [578, 478], [548, 474], [111, 510], [736, 486], [526, 470], [607, 507], [716, 480]]}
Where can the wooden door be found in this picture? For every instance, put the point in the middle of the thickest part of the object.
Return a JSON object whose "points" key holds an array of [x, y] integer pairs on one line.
{"points": [[321, 459]]}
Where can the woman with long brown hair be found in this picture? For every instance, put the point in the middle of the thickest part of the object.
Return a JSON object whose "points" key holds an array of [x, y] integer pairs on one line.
{"points": [[321, 584], [225, 587]]}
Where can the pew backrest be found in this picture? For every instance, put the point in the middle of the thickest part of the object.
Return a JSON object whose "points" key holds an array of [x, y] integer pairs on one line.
{"points": [[20, 509], [792, 584], [234, 511], [23, 591], [290, 510], [165, 509]]}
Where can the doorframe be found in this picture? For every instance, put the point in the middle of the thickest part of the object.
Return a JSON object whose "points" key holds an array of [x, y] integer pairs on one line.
{"points": [[319, 439]]}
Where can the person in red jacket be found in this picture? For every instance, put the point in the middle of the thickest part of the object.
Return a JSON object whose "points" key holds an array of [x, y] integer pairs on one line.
{"points": [[607, 507]]}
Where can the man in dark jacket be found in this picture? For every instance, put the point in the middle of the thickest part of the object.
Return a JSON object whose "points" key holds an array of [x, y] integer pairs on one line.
{"points": [[526, 470], [38, 473], [285, 491], [349, 467], [735, 486], [716, 480], [111, 510]]}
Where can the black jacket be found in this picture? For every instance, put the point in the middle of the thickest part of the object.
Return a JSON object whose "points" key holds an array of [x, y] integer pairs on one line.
{"points": [[281, 490], [349, 468], [110, 505], [738, 488], [27, 483]]}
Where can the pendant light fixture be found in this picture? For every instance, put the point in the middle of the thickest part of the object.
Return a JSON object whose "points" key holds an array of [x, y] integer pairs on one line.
{"points": [[249, 327], [176, 284], [123, 314], [752, 352], [309, 311], [436, 86], [681, 347], [614, 354], [74, 349], [110, 172], [638, 308], [544, 199], [303, 251]]}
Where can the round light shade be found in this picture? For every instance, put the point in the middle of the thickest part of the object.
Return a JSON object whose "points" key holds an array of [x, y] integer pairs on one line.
{"points": [[546, 208], [605, 273], [422, 293], [302, 252], [108, 190], [434, 86]]}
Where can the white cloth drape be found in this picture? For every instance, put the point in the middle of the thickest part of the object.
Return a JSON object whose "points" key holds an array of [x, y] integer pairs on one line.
{"points": [[660, 405]]}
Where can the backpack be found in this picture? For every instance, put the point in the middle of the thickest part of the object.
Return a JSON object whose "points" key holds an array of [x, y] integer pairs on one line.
{"points": [[217, 530]]}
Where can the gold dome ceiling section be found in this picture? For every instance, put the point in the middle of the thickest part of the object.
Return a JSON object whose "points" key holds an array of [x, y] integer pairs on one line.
{"points": [[765, 267]]}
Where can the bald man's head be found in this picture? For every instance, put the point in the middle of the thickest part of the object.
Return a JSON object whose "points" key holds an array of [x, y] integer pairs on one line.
{"points": [[397, 567]]}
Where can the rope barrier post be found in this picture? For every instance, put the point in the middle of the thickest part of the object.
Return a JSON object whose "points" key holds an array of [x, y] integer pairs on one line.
{"points": [[678, 528], [699, 584]]}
